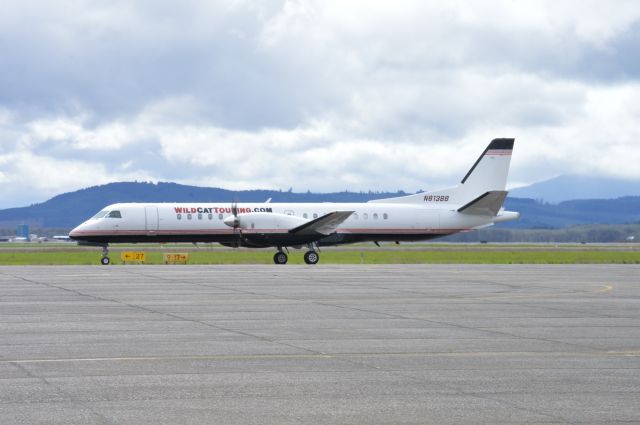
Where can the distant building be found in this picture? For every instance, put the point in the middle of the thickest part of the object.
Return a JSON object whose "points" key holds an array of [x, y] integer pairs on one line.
{"points": [[22, 231]]}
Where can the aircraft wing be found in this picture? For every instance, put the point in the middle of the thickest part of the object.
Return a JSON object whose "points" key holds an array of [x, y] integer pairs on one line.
{"points": [[325, 225], [487, 204]]}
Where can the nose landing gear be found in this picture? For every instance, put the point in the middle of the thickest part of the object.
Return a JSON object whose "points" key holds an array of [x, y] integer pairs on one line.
{"points": [[105, 256]]}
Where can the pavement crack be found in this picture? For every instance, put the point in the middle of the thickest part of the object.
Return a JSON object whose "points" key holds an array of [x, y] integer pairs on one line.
{"points": [[86, 406]]}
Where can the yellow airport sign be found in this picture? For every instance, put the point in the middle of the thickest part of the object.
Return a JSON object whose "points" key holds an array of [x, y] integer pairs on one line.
{"points": [[176, 257], [133, 256]]}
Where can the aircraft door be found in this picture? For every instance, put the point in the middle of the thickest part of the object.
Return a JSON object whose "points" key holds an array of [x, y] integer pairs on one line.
{"points": [[151, 219]]}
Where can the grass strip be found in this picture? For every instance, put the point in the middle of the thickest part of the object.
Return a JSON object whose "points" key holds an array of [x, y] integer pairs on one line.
{"points": [[340, 257]]}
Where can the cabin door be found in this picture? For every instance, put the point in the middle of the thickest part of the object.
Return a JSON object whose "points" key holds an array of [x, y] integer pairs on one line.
{"points": [[151, 220]]}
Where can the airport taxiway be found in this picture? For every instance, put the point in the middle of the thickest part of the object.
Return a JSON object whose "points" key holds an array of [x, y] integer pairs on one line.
{"points": [[402, 344]]}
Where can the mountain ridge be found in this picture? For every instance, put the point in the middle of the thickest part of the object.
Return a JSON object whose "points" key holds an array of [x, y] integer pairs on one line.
{"points": [[67, 210], [71, 208], [577, 187]]}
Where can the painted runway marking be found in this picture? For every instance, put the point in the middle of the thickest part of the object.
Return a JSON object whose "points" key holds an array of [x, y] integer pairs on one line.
{"points": [[602, 289], [222, 357], [606, 289]]}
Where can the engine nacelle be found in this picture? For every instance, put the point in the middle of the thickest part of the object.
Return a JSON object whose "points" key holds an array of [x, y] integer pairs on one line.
{"points": [[266, 221]]}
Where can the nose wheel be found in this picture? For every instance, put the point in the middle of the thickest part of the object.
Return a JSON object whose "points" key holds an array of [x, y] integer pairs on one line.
{"points": [[311, 257], [105, 256], [280, 258]]}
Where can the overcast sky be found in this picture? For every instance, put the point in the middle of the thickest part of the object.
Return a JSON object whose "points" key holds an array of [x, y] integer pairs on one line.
{"points": [[321, 95]]}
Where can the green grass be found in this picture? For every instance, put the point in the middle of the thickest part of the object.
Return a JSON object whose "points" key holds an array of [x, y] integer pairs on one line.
{"points": [[381, 256]]}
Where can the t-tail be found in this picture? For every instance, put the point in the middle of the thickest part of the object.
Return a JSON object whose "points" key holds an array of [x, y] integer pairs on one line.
{"points": [[482, 191]]}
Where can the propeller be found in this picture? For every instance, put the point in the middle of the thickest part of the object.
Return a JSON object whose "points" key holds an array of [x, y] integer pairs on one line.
{"points": [[237, 232], [233, 221]]}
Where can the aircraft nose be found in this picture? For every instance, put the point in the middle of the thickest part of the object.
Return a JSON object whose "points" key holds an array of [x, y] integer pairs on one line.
{"points": [[76, 231]]}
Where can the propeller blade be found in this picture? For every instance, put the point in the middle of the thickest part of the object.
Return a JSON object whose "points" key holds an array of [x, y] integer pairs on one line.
{"points": [[237, 233]]}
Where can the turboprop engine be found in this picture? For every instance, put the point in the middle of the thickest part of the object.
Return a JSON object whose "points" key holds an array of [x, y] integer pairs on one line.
{"points": [[262, 220]]}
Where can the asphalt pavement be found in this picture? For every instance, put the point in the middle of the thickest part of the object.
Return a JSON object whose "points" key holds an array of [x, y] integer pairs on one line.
{"points": [[388, 344]]}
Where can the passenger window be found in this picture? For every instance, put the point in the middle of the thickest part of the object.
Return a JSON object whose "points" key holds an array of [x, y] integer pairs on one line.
{"points": [[189, 216], [305, 215], [199, 216], [315, 215], [220, 216], [210, 216], [179, 216], [385, 216], [115, 214], [375, 216]]}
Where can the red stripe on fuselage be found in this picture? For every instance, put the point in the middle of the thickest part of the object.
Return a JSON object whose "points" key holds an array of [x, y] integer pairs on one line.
{"points": [[257, 231]]}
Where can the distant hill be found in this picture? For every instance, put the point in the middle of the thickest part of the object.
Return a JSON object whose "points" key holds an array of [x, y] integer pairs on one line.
{"points": [[70, 209], [569, 187], [538, 215], [586, 233]]}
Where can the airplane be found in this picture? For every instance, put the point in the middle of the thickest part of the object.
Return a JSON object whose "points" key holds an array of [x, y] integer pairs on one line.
{"points": [[475, 203]]}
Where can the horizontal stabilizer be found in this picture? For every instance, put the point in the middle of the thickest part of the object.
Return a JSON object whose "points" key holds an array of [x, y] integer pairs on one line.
{"points": [[325, 225], [487, 204]]}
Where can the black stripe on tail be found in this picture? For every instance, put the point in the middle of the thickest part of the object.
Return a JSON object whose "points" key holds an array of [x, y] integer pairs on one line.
{"points": [[496, 144]]}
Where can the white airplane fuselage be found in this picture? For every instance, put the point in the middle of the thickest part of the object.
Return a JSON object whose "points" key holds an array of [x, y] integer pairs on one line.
{"points": [[204, 222], [475, 203]]}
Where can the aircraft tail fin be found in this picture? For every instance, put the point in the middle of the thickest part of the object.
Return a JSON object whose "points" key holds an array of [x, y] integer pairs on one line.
{"points": [[488, 175], [492, 167]]}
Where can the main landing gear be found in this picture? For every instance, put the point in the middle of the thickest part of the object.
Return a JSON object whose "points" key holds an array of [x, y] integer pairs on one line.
{"points": [[105, 256], [310, 257], [280, 258]]}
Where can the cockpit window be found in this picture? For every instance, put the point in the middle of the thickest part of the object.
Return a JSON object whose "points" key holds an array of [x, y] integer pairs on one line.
{"points": [[114, 214], [101, 214]]}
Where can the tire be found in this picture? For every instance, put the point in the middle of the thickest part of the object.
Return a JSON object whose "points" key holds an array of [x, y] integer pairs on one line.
{"points": [[311, 257], [280, 258], [105, 261]]}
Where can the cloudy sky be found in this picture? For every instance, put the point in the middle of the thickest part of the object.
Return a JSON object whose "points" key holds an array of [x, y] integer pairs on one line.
{"points": [[322, 95]]}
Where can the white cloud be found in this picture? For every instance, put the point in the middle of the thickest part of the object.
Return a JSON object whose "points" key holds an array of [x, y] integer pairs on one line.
{"points": [[320, 95], [72, 133], [46, 176]]}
